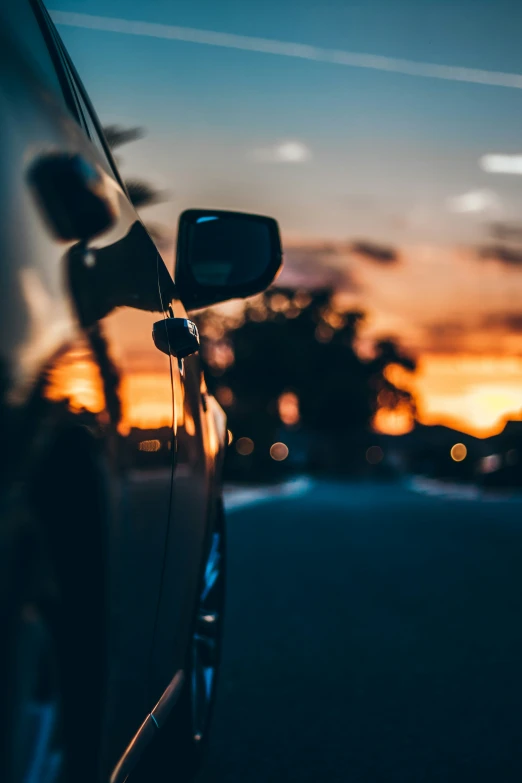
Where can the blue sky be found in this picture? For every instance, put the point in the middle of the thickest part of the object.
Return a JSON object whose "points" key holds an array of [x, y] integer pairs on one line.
{"points": [[476, 33], [383, 146]]}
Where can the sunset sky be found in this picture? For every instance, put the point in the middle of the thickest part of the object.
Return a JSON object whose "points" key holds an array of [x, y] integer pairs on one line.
{"points": [[395, 176]]}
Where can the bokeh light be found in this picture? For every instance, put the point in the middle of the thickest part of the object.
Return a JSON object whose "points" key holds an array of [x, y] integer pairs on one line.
{"points": [[511, 457], [490, 464], [279, 451], [288, 407], [149, 445], [225, 396], [244, 446], [458, 452], [374, 455]]}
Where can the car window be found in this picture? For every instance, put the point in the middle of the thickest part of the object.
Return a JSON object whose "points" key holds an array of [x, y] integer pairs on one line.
{"points": [[18, 19], [78, 99], [91, 122]]}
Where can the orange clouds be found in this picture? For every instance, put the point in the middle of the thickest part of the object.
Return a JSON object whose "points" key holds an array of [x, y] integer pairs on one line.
{"points": [[457, 309], [476, 394]]}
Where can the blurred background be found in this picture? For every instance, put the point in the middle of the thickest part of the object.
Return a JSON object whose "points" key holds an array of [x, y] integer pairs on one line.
{"points": [[374, 393], [384, 137]]}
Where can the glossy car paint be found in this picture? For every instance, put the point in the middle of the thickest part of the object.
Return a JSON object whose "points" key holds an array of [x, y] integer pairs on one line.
{"points": [[79, 370]]}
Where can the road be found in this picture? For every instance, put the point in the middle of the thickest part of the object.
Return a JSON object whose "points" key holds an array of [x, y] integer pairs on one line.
{"points": [[372, 635]]}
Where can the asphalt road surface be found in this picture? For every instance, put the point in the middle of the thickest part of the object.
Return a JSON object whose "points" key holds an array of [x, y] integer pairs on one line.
{"points": [[372, 634]]}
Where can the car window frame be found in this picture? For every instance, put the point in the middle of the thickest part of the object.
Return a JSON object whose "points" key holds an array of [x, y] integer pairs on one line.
{"points": [[75, 94], [42, 19], [86, 106]]}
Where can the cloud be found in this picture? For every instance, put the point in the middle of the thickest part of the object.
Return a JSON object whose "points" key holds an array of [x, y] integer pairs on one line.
{"points": [[505, 255], [445, 329], [501, 164], [318, 266], [372, 62], [444, 336], [472, 334], [379, 253], [506, 231], [510, 322], [284, 152], [474, 201]]}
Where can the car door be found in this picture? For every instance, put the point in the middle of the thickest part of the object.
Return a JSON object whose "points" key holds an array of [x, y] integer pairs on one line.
{"points": [[193, 507], [119, 287], [194, 448]]}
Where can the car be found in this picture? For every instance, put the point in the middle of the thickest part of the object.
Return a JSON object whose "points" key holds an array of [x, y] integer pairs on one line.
{"points": [[112, 528]]}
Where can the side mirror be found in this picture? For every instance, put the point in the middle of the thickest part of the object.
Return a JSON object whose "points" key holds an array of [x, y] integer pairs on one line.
{"points": [[225, 255]]}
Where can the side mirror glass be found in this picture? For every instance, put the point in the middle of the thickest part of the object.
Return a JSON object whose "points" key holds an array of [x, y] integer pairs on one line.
{"points": [[225, 255]]}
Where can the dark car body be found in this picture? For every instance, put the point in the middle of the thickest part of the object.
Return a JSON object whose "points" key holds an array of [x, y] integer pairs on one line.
{"points": [[111, 450]]}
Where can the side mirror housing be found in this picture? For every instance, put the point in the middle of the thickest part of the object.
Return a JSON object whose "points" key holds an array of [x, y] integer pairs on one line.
{"points": [[225, 255]]}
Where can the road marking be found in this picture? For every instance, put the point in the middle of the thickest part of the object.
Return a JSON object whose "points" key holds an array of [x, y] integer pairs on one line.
{"points": [[237, 498]]}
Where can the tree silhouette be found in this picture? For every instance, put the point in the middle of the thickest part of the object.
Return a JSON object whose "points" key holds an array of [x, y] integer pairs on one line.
{"points": [[141, 193], [117, 136], [388, 395], [295, 341]]}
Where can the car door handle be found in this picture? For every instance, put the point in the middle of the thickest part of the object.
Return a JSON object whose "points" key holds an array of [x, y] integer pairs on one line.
{"points": [[176, 337]]}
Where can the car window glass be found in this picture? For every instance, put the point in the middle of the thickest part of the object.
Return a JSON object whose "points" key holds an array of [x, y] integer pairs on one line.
{"points": [[92, 130], [79, 103], [91, 122], [21, 23]]}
